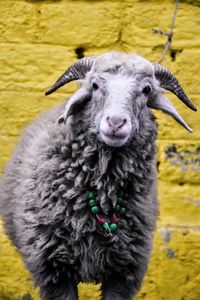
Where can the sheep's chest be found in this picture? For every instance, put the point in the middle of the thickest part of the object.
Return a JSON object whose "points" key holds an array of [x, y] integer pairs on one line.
{"points": [[82, 242], [96, 254], [93, 251]]}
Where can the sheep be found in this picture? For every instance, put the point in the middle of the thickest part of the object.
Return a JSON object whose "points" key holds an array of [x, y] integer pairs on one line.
{"points": [[79, 196]]}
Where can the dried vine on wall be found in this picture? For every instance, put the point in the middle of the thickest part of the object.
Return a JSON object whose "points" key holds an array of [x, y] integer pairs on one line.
{"points": [[169, 34]]}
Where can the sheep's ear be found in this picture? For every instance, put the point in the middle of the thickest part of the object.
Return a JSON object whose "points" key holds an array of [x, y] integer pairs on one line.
{"points": [[163, 104], [75, 104]]}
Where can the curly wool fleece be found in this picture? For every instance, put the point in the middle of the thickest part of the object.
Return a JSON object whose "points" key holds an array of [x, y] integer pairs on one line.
{"points": [[45, 194]]}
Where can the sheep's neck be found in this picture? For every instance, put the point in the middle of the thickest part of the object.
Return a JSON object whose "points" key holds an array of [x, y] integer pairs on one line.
{"points": [[108, 170]]}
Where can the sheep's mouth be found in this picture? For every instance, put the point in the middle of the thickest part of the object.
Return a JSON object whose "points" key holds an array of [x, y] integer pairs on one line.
{"points": [[113, 140]]}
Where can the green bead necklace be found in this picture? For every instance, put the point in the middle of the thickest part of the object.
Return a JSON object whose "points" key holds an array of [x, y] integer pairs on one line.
{"points": [[111, 225]]}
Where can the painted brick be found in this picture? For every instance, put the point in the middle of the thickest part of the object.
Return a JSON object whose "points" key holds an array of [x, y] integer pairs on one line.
{"points": [[179, 161], [33, 67], [67, 23], [179, 204], [140, 18], [171, 274]]}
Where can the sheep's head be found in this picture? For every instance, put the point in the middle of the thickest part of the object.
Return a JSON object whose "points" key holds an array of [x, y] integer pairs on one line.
{"points": [[120, 90]]}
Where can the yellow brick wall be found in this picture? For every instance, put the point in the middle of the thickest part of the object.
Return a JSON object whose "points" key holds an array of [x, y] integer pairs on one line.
{"points": [[38, 41]]}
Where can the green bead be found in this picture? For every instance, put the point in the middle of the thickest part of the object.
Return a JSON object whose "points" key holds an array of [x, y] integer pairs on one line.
{"points": [[113, 227], [120, 201], [95, 210], [91, 195], [107, 227], [92, 202], [123, 210], [117, 207]]}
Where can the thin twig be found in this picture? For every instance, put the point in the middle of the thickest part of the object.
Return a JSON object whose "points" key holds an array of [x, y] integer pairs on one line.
{"points": [[159, 31], [168, 34]]}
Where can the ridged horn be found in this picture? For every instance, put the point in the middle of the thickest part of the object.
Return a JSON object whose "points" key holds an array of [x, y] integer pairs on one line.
{"points": [[169, 82], [77, 71]]}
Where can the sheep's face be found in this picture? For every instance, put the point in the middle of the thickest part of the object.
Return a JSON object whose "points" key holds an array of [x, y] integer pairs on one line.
{"points": [[118, 101], [117, 91]]}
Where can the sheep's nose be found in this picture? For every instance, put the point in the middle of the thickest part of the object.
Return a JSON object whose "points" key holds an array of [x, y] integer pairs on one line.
{"points": [[116, 122]]}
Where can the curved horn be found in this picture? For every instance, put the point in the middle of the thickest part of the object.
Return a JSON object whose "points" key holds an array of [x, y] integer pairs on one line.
{"points": [[77, 71], [169, 82]]}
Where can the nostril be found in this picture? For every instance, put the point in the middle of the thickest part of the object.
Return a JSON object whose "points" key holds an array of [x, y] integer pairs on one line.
{"points": [[109, 122], [115, 122]]}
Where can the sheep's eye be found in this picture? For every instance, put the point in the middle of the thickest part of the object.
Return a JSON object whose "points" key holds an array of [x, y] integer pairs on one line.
{"points": [[95, 86], [146, 90]]}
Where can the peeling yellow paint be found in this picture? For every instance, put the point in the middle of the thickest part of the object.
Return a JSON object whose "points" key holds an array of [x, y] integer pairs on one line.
{"points": [[39, 39]]}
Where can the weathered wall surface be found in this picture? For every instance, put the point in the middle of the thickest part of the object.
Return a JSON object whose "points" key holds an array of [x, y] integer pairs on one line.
{"points": [[39, 39]]}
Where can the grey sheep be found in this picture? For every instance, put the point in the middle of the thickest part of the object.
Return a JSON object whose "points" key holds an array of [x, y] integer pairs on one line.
{"points": [[79, 199]]}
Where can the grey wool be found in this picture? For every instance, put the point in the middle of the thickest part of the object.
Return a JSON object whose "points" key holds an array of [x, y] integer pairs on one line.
{"points": [[104, 143]]}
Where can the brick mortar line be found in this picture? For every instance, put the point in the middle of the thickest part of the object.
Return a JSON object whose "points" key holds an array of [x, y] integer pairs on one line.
{"points": [[186, 46], [180, 228]]}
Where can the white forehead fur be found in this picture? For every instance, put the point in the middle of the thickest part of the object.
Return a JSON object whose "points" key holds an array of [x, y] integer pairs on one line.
{"points": [[127, 63]]}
